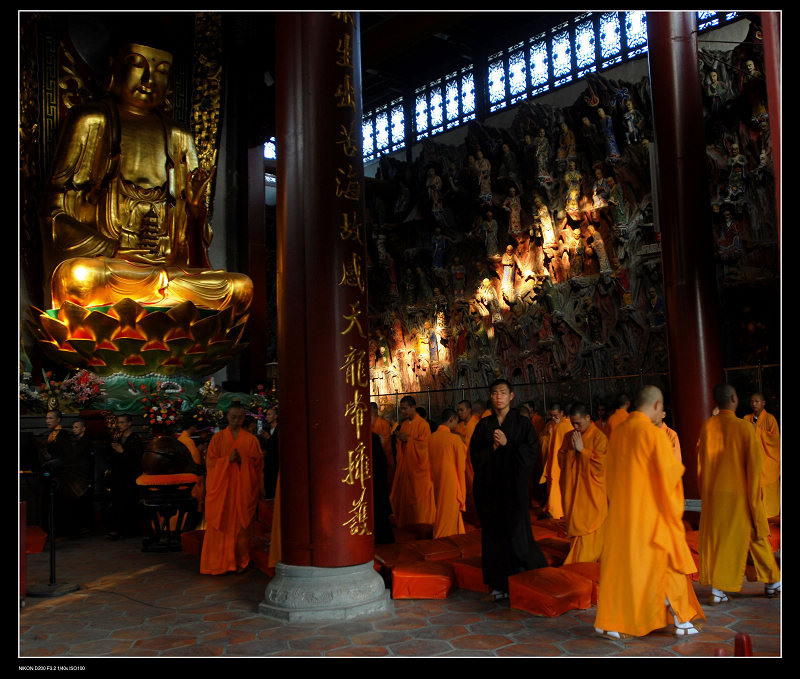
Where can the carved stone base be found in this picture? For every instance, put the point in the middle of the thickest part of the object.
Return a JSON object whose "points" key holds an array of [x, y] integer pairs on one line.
{"points": [[310, 594]]}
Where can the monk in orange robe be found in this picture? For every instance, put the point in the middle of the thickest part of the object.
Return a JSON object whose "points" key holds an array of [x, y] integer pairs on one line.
{"points": [[199, 490], [672, 435], [234, 483], [412, 491], [448, 456], [619, 415], [537, 420], [582, 460], [733, 520], [646, 564], [552, 472], [383, 429], [768, 434]]}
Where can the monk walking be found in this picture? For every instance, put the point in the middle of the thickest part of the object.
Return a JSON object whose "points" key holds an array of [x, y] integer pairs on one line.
{"points": [[412, 490], [768, 434], [448, 468], [646, 564], [504, 449], [582, 460], [552, 472], [733, 520], [619, 415], [234, 482]]}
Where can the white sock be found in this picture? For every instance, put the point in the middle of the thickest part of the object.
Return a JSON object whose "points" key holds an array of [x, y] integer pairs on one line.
{"points": [[607, 633], [718, 592]]}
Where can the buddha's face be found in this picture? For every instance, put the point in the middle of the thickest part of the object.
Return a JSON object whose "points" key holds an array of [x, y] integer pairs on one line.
{"points": [[142, 76]]}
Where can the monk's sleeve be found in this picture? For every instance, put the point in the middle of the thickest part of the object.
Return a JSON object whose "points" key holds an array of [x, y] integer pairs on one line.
{"points": [[528, 445], [754, 459], [216, 479], [460, 450]]}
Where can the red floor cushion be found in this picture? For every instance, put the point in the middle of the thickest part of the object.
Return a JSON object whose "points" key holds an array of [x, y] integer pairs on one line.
{"points": [[588, 570], [549, 591], [35, 539], [555, 550], [469, 544], [394, 553], [192, 542], [468, 574], [545, 528], [775, 536], [422, 580], [436, 550]]}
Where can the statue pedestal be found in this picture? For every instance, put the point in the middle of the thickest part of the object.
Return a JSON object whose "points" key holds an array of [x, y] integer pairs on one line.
{"points": [[311, 594]]}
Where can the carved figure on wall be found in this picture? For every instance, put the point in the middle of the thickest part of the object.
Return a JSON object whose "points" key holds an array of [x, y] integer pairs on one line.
{"points": [[616, 201], [592, 144], [566, 144], [737, 165], [484, 168], [513, 206], [125, 215], [717, 92], [541, 147], [433, 184], [490, 231], [755, 88], [600, 188], [572, 180], [606, 125], [632, 121], [508, 166]]}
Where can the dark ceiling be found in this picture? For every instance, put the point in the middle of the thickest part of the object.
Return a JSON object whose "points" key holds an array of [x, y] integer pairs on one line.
{"points": [[402, 50]]}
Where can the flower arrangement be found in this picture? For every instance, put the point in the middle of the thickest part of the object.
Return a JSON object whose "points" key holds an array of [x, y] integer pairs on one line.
{"points": [[30, 395], [82, 388], [160, 407], [260, 402]]}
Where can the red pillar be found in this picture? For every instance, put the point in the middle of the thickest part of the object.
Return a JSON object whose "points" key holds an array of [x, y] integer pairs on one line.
{"points": [[771, 26], [687, 246], [325, 457]]}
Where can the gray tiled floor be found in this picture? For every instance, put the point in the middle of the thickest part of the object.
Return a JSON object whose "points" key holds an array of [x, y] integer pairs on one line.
{"points": [[131, 603]]}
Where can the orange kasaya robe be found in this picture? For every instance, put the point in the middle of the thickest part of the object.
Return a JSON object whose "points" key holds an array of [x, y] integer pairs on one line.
{"points": [[614, 420], [412, 490], [552, 471], [767, 432], [199, 490], [465, 429], [583, 494], [448, 456], [538, 423], [672, 435], [645, 558], [232, 493], [733, 520], [383, 429]]}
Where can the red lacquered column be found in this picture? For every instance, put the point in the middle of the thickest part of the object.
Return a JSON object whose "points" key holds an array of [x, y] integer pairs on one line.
{"points": [[687, 246]]}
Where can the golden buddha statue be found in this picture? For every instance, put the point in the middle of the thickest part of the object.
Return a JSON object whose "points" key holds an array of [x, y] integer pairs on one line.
{"points": [[125, 239], [124, 212]]}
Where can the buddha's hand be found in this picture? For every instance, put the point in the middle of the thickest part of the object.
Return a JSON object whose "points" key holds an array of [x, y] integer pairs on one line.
{"points": [[196, 187]]}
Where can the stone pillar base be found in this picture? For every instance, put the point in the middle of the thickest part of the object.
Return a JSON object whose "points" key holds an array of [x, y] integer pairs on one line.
{"points": [[309, 593]]}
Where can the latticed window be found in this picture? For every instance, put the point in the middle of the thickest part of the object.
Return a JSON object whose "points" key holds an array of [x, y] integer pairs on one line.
{"points": [[586, 44]]}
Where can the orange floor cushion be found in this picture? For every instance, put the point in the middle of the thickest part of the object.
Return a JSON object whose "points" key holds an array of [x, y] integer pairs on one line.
{"points": [[588, 570], [394, 553], [555, 550], [545, 528], [422, 580], [469, 544], [693, 540], [436, 549], [417, 531], [468, 574], [35, 539], [549, 591], [192, 542], [775, 536]]}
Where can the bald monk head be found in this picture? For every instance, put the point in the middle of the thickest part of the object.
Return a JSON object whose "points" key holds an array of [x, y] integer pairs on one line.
{"points": [[555, 413], [757, 403], [650, 401], [623, 402], [725, 397], [449, 419]]}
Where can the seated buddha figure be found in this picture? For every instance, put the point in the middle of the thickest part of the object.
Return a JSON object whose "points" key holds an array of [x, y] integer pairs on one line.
{"points": [[124, 212]]}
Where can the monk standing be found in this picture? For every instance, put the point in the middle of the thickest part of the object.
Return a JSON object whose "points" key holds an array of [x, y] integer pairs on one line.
{"points": [[552, 472], [582, 460], [412, 490], [234, 482], [733, 521], [672, 435], [504, 449], [767, 432], [619, 415], [448, 468], [646, 563], [383, 429]]}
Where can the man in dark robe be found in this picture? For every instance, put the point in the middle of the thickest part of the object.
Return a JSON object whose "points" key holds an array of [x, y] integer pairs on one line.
{"points": [[504, 449]]}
